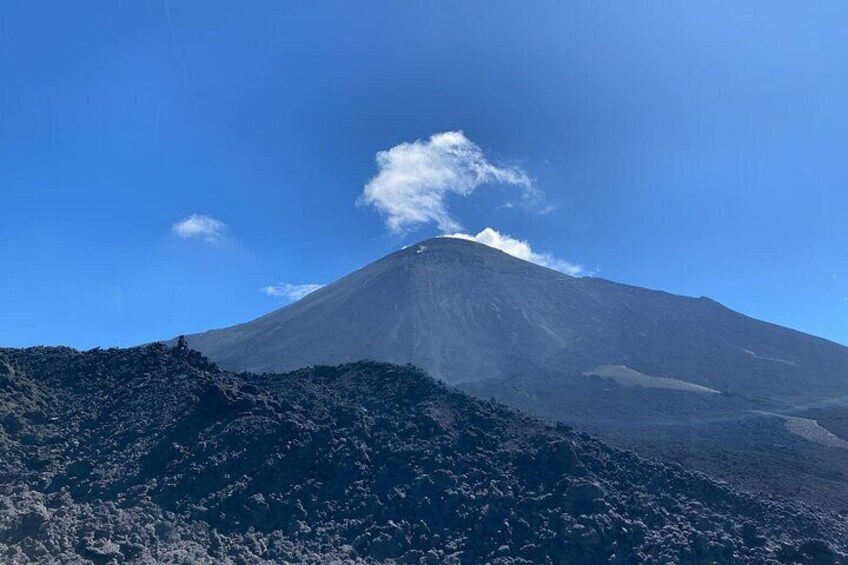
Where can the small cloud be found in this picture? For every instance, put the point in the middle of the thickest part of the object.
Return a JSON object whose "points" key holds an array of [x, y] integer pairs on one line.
{"points": [[207, 228], [292, 292], [414, 179], [521, 249]]}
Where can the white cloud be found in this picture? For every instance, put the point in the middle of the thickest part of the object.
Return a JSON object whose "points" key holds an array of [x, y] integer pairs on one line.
{"points": [[197, 225], [413, 180], [291, 291], [521, 249]]}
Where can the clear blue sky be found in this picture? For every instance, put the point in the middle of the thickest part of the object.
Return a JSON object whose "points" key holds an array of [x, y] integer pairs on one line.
{"points": [[695, 147]]}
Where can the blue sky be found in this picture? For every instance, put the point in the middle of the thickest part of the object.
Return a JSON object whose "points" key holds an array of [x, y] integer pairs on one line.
{"points": [[697, 147]]}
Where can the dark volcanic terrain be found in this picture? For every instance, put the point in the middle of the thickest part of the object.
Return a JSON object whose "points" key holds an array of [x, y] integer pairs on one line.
{"points": [[153, 455], [683, 379], [736, 439], [466, 312]]}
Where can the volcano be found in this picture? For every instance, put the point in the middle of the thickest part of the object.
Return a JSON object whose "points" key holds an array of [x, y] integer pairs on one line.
{"points": [[466, 312], [678, 378]]}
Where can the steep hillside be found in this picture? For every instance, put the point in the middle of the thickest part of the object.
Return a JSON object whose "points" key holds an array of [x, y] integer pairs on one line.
{"points": [[466, 312], [683, 379], [153, 455]]}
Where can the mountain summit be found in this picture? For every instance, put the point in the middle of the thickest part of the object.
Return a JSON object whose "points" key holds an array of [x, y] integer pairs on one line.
{"points": [[466, 312], [681, 379]]}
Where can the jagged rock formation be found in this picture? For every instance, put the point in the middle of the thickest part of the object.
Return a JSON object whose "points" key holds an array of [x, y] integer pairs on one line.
{"points": [[153, 455]]}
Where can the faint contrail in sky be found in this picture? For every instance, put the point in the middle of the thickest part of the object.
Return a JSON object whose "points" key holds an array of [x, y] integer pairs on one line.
{"points": [[180, 60], [170, 22]]}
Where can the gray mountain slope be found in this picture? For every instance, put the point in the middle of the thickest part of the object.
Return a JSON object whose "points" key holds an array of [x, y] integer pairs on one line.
{"points": [[681, 379], [465, 312]]}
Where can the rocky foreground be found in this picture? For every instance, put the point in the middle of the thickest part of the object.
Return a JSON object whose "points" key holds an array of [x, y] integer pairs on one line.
{"points": [[153, 455]]}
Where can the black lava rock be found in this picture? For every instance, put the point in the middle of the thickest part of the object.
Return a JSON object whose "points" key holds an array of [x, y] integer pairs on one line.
{"points": [[154, 455]]}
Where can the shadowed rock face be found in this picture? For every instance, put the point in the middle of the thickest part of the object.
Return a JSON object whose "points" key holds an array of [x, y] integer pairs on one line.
{"points": [[466, 312], [153, 455]]}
